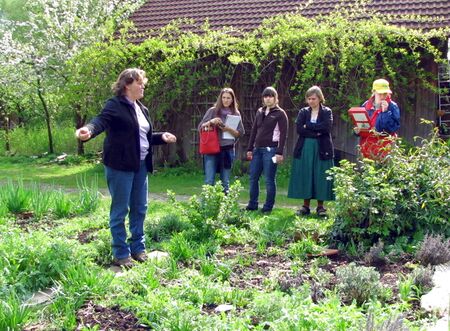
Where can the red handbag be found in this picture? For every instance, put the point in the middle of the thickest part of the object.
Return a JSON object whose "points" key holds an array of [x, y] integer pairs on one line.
{"points": [[209, 141]]}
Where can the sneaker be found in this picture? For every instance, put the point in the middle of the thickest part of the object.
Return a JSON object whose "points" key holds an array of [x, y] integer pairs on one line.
{"points": [[321, 211], [248, 208], [266, 210], [304, 210], [140, 257], [126, 262]]}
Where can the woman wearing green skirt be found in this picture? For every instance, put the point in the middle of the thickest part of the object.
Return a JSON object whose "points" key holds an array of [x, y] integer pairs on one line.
{"points": [[313, 154]]}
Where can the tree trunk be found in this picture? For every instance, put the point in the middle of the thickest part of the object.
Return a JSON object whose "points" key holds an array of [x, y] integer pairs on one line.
{"points": [[7, 138], [80, 121], [47, 116]]}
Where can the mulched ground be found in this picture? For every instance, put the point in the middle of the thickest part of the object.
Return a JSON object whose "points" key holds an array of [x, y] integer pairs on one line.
{"points": [[263, 267], [107, 319], [251, 271], [87, 236], [28, 223]]}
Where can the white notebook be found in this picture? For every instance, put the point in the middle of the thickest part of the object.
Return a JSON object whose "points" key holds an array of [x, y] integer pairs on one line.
{"points": [[232, 121]]}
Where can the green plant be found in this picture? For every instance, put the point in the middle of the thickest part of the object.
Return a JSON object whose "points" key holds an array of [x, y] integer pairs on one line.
{"points": [[301, 249], [102, 252], [88, 196], [407, 194], [13, 313], [63, 205], [358, 283], [79, 282], [41, 201], [16, 197], [165, 227], [180, 248], [434, 250], [406, 289], [423, 280], [211, 210]]}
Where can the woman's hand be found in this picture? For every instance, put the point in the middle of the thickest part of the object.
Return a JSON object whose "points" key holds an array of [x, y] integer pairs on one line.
{"points": [[83, 133], [169, 138], [384, 105], [279, 159], [217, 121]]}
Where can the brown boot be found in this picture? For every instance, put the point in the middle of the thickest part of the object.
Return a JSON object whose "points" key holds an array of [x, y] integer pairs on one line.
{"points": [[140, 257], [126, 262]]}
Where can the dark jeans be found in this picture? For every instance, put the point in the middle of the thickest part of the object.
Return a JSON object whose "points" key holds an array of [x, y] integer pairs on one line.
{"points": [[262, 163], [128, 191]]}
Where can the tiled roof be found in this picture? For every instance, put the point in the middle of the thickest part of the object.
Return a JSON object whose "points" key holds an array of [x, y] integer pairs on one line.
{"points": [[247, 15]]}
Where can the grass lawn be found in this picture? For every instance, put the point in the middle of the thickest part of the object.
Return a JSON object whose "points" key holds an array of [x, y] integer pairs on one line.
{"points": [[187, 183]]}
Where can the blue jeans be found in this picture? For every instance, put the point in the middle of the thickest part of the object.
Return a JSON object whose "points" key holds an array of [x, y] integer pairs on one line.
{"points": [[212, 165], [128, 191], [262, 163]]}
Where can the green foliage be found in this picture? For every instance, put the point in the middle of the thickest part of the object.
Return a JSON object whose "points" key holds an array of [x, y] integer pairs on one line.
{"points": [[165, 227], [358, 283], [31, 262], [13, 313], [211, 210], [16, 197], [407, 194], [102, 252], [88, 197], [78, 283], [63, 205]]}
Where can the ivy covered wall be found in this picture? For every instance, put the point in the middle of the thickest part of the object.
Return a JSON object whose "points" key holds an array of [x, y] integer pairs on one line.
{"points": [[343, 53]]}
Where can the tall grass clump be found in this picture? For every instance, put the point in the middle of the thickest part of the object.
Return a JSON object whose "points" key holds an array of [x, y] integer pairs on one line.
{"points": [[88, 196], [16, 196], [13, 313], [407, 195], [63, 206], [41, 201]]}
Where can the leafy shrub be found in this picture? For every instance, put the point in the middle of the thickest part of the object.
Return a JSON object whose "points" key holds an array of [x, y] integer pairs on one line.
{"points": [[102, 251], [211, 210], [408, 193], [434, 250], [302, 248], [375, 256], [358, 283], [33, 261]]}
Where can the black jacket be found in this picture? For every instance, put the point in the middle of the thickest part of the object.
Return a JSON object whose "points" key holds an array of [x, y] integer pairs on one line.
{"points": [[121, 147], [320, 131]]}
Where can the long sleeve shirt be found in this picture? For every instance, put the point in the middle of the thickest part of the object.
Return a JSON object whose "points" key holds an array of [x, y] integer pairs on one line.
{"points": [[269, 130]]}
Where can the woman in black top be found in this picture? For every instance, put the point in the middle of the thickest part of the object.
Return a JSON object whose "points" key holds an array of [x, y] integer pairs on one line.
{"points": [[127, 156], [313, 154]]}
